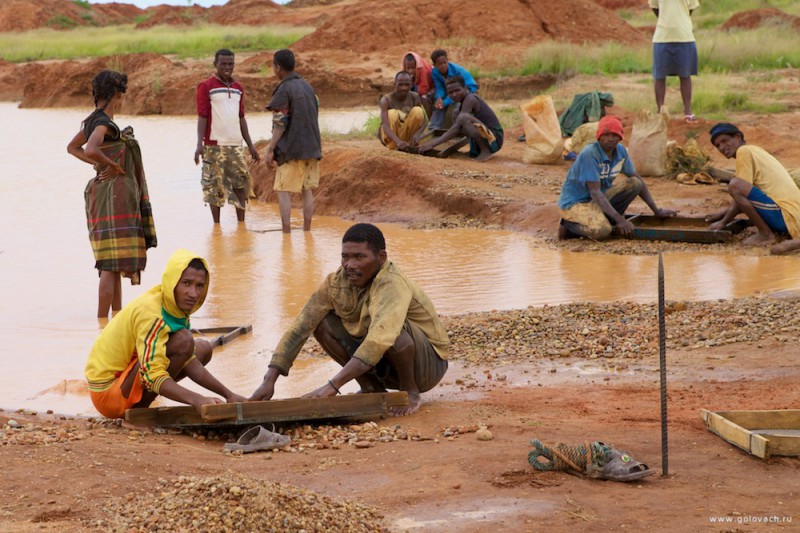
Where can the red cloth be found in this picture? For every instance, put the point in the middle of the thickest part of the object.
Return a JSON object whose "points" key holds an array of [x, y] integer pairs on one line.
{"points": [[424, 77], [610, 124]]}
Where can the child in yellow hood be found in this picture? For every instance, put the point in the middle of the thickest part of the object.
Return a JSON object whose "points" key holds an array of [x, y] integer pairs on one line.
{"points": [[148, 346]]}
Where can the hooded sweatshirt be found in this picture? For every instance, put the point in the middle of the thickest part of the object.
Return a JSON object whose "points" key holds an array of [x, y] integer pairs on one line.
{"points": [[424, 77], [141, 330]]}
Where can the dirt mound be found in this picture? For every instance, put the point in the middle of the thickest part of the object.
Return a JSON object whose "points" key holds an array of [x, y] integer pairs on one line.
{"points": [[156, 85], [22, 15], [755, 18], [253, 12], [310, 3], [622, 4], [381, 25], [173, 15]]}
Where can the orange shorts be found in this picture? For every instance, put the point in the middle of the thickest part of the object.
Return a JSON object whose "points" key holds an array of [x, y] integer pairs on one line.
{"points": [[111, 403]]}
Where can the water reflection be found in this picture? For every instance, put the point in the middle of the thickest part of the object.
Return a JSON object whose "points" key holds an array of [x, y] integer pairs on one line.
{"points": [[260, 276]]}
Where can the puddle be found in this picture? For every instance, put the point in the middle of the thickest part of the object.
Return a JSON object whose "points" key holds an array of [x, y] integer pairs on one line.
{"points": [[447, 515]]}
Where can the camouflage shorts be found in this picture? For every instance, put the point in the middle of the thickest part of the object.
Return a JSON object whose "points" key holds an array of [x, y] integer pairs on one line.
{"points": [[224, 172]]}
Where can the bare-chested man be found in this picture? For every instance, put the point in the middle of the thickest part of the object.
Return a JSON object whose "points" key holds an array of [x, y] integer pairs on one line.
{"points": [[475, 119]]}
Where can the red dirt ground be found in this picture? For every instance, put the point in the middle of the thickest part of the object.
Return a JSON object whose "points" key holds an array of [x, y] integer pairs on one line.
{"points": [[383, 25], [755, 18], [463, 484], [21, 15]]}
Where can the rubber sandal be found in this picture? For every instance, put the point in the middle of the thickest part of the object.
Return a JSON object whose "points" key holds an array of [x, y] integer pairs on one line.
{"points": [[257, 438], [619, 467], [690, 119], [705, 178]]}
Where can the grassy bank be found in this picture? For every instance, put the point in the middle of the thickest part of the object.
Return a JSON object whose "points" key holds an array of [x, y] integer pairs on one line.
{"points": [[718, 52], [711, 14], [195, 41]]}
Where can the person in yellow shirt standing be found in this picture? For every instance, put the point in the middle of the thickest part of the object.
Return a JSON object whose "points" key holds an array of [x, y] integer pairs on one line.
{"points": [[762, 189], [674, 50], [371, 319], [148, 346]]}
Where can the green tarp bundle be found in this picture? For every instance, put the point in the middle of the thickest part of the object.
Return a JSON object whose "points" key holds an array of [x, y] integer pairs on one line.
{"points": [[586, 107]]}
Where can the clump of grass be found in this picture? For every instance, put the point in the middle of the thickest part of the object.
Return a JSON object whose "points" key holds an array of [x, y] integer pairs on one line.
{"points": [[737, 51], [61, 21], [194, 41], [711, 14], [567, 58], [770, 48]]}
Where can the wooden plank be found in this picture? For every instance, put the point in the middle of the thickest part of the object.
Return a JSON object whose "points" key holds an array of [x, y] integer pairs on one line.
{"points": [[782, 445], [733, 433], [453, 148], [305, 408], [766, 419], [293, 409], [164, 416], [760, 446], [763, 433], [227, 333]]}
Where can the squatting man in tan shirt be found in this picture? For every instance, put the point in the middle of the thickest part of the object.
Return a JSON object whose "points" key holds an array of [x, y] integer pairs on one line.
{"points": [[371, 319]]}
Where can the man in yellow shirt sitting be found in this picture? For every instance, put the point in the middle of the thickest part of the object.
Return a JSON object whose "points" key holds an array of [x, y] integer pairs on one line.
{"points": [[148, 346], [762, 189], [371, 319]]}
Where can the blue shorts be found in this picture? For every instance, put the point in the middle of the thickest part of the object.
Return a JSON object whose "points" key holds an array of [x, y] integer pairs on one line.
{"points": [[674, 59], [768, 210]]}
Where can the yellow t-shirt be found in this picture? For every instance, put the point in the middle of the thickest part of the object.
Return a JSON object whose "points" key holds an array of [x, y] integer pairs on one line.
{"points": [[674, 20], [757, 166]]}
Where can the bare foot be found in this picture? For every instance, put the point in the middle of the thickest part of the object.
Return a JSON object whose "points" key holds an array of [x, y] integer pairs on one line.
{"points": [[485, 155], [414, 402], [786, 247], [758, 240]]}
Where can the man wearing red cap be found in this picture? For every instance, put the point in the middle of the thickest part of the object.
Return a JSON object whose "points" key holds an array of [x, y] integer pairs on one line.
{"points": [[593, 200]]}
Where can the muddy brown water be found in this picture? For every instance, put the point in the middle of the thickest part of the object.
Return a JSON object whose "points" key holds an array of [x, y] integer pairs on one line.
{"points": [[260, 276]]}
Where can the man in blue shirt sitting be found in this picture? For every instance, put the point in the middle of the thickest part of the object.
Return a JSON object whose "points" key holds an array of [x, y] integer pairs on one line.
{"points": [[442, 70], [592, 198]]}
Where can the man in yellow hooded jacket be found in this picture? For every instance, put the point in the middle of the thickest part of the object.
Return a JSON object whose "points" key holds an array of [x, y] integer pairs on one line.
{"points": [[148, 346]]}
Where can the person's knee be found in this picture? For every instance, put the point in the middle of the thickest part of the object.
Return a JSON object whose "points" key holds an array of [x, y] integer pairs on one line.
{"points": [[180, 344], [634, 184], [323, 331], [203, 350], [403, 346], [738, 187], [600, 233]]}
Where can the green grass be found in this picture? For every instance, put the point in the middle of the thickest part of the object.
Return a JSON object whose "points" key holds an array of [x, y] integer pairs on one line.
{"points": [[713, 98], [61, 22], [195, 41], [761, 49], [712, 13], [739, 51]]}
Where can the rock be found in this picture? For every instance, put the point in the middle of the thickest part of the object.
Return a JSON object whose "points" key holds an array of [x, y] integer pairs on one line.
{"points": [[484, 434]]}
